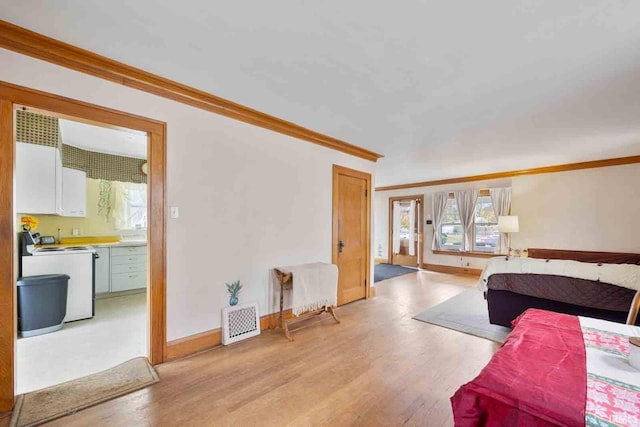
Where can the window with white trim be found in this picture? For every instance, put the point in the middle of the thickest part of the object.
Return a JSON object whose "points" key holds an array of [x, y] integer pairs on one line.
{"points": [[130, 207], [485, 226], [451, 234]]}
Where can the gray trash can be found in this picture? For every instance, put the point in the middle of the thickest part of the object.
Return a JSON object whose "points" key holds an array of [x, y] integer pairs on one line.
{"points": [[42, 303]]}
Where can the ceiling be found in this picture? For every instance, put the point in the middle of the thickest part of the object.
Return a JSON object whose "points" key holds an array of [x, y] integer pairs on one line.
{"points": [[129, 143], [442, 89]]}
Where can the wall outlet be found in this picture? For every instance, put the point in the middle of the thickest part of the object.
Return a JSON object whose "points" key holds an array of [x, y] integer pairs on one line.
{"points": [[75, 232], [175, 212]]}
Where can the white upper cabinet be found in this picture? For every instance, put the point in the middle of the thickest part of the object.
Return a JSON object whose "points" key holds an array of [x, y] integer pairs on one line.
{"points": [[74, 192], [59, 183], [38, 179]]}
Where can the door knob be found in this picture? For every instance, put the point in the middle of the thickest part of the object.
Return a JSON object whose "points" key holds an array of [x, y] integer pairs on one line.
{"points": [[340, 246]]}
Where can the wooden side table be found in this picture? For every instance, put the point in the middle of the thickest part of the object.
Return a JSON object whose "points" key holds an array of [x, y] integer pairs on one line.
{"points": [[286, 282]]}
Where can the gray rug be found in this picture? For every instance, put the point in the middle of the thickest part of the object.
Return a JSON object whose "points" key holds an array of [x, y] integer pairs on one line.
{"points": [[39, 407], [389, 271], [466, 312]]}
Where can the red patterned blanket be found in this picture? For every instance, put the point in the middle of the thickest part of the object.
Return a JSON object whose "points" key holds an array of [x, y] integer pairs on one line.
{"points": [[537, 378], [555, 370]]}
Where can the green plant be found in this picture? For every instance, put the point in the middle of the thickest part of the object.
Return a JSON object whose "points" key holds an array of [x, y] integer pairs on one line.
{"points": [[234, 288], [105, 205]]}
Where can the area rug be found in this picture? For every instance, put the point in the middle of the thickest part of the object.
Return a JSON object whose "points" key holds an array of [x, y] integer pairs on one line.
{"points": [[466, 312], [389, 271], [45, 405]]}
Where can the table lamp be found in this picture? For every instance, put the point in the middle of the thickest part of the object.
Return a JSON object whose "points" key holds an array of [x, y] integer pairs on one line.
{"points": [[508, 224]]}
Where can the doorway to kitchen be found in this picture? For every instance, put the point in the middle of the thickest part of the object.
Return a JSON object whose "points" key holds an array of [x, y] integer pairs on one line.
{"points": [[134, 257], [81, 202], [406, 231]]}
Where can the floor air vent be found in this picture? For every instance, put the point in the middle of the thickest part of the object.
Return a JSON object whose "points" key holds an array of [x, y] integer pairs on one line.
{"points": [[240, 322]]}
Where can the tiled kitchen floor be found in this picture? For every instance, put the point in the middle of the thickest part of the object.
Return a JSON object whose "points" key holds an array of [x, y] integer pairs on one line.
{"points": [[116, 334]]}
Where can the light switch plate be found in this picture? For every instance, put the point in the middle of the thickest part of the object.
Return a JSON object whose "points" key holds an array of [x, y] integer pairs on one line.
{"points": [[175, 212]]}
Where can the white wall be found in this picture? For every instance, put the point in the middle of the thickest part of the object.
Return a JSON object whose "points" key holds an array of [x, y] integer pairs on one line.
{"points": [[250, 199], [591, 209]]}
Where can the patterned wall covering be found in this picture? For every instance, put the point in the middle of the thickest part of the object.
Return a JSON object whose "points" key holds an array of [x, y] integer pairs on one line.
{"points": [[44, 130], [37, 129], [103, 166]]}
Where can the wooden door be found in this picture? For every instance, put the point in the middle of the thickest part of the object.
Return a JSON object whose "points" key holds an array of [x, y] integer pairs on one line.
{"points": [[351, 232], [401, 254]]}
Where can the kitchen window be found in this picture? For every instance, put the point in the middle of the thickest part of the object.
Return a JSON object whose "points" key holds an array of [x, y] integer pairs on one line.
{"points": [[130, 208]]}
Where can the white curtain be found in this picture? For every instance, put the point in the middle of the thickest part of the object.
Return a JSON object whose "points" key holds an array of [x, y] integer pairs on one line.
{"points": [[412, 228], [130, 205], [501, 200], [439, 207], [396, 227], [466, 201]]}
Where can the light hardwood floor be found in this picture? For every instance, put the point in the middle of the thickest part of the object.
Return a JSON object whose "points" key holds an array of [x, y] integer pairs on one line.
{"points": [[377, 368]]}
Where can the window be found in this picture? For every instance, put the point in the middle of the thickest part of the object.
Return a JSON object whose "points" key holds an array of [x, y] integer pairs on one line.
{"points": [[451, 235], [405, 220], [485, 226], [485, 238], [130, 210]]}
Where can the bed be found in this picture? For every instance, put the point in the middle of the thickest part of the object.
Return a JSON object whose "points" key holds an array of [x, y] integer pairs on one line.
{"points": [[509, 294], [555, 370]]}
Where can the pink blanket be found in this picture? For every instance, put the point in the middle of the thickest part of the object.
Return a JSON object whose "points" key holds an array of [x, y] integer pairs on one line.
{"points": [[537, 378]]}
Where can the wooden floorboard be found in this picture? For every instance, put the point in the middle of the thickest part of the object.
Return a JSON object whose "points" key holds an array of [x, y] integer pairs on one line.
{"points": [[378, 367]]}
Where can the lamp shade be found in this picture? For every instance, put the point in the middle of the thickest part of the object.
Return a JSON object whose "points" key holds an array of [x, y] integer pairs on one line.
{"points": [[508, 224]]}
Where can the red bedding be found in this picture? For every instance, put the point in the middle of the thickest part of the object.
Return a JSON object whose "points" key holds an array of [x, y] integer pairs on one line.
{"points": [[537, 378]]}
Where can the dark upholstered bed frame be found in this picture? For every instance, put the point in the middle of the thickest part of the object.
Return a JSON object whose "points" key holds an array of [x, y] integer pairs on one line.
{"points": [[504, 305]]}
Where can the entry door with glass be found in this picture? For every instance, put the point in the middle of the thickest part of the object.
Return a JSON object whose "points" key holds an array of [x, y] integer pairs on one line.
{"points": [[405, 226]]}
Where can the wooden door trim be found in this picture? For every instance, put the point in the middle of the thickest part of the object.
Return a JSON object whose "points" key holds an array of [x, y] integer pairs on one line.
{"points": [[7, 258], [35, 45], [603, 163], [420, 220], [12, 95], [341, 170]]}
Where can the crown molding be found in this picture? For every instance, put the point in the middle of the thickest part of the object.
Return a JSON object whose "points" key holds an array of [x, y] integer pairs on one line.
{"points": [[35, 45], [546, 169]]}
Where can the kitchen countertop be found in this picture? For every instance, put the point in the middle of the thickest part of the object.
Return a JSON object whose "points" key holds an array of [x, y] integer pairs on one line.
{"points": [[120, 244], [125, 243]]}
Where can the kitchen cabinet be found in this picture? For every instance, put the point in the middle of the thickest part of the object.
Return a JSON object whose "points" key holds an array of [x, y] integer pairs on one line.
{"points": [[121, 268], [103, 272], [128, 268], [74, 193], [128, 281], [38, 179]]}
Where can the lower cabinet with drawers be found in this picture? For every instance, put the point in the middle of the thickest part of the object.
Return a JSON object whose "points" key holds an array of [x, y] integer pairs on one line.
{"points": [[127, 268]]}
